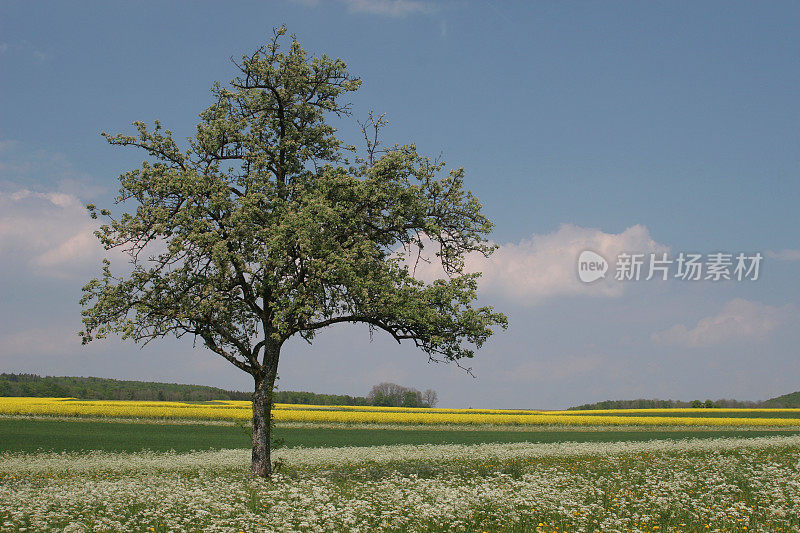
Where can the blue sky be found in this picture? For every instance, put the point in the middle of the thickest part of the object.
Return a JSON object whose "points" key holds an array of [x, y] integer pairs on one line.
{"points": [[608, 126]]}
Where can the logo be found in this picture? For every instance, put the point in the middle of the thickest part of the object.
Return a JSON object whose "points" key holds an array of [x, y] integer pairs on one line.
{"points": [[591, 266]]}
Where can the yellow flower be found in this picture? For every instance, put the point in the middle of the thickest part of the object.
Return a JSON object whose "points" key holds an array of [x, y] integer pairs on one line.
{"points": [[241, 410]]}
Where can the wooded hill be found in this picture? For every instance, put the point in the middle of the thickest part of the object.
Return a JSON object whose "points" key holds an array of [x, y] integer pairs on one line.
{"points": [[786, 401]]}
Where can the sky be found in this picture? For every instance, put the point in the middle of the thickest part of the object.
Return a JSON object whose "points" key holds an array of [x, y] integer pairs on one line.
{"points": [[631, 128]]}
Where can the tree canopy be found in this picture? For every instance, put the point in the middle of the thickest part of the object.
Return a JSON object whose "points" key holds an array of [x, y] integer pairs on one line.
{"points": [[266, 226]]}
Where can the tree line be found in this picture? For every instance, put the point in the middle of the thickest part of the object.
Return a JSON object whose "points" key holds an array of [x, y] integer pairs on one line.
{"points": [[89, 388], [673, 404]]}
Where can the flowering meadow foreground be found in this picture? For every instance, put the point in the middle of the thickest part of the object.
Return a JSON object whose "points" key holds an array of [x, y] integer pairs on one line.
{"points": [[725, 484], [536, 471]]}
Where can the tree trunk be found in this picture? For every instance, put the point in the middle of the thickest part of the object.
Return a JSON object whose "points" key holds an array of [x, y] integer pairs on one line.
{"points": [[262, 428]]}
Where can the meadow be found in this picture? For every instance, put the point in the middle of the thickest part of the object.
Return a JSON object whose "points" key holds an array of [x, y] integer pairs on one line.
{"points": [[23, 434], [68, 465]]}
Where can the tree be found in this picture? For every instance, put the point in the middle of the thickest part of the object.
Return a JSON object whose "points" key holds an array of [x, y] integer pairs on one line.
{"points": [[430, 398], [413, 398], [393, 395], [263, 229], [381, 400], [386, 394]]}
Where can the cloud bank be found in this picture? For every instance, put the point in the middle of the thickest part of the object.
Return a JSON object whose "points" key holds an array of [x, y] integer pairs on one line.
{"points": [[545, 266], [49, 233], [739, 320]]}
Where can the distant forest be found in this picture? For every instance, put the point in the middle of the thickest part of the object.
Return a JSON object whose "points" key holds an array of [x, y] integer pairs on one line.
{"points": [[112, 389], [786, 401]]}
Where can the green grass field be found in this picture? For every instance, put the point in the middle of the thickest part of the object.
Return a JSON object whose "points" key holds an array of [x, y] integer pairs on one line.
{"points": [[28, 435]]}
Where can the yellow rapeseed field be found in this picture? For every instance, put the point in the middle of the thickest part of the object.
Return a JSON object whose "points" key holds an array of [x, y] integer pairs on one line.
{"points": [[240, 410]]}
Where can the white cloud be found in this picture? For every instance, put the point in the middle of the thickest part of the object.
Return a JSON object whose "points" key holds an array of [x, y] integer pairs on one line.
{"points": [[75, 248], [387, 8], [49, 233], [44, 228], [545, 266], [390, 8], [785, 255], [739, 320]]}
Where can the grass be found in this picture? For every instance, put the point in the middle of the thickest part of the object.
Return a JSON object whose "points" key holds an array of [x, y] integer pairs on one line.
{"points": [[28, 435]]}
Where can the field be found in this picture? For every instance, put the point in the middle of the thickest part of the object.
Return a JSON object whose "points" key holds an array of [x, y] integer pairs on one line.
{"points": [[69, 465], [240, 410]]}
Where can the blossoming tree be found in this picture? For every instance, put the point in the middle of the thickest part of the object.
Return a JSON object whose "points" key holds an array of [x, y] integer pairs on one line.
{"points": [[261, 229]]}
